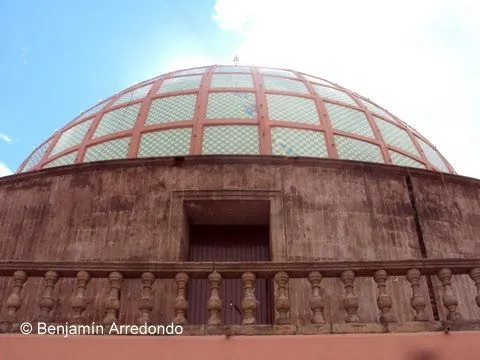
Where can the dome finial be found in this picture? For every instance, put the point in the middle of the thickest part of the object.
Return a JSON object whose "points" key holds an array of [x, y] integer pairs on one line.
{"points": [[235, 60]]}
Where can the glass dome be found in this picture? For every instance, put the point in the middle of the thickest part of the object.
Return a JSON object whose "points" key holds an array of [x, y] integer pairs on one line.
{"points": [[237, 110]]}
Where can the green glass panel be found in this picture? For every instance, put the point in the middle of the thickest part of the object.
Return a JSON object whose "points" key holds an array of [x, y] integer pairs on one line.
{"points": [[277, 72], [376, 110], [72, 137], [180, 83], [353, 149], [292, 108], [334, 94], [402, 160], [349, 120], [91, 111], [172, 108], [242, 69], [238, 105], [108, 150], [232, 81], [172, 142], [67, 159], [136, 94], [395, 136], [117, 120], [296, 142], [281, 84], [36, 157], [432, 156], [316, 80], [235, 139]]}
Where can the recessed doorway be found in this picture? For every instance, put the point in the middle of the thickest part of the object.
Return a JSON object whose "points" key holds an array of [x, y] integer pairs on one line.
{"points": [[228, 231]]}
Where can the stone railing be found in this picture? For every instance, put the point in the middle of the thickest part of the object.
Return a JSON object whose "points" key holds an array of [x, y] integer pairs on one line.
{"points": [[80, 273]]}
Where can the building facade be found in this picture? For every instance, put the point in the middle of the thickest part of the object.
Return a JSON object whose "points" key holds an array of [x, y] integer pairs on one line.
{"points": [[242, 201]]}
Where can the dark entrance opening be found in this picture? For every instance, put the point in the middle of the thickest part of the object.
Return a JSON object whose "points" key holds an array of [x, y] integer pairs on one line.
{"points": [[228, 231]]}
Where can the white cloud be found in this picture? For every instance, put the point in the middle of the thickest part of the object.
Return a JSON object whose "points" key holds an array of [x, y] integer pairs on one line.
{"points": [[4, 170], [233, 15], [5, 138], [419, 59]]}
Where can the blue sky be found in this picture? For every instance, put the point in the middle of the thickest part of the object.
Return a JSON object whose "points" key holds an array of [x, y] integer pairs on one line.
{"points": [[59, 57], [417, 59]]}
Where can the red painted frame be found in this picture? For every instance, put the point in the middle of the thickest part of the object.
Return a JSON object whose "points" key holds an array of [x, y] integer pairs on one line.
{"points": [[263, 121]]}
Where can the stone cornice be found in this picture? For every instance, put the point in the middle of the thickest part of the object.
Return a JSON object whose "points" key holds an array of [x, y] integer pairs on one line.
{"points": [[239, 160]]}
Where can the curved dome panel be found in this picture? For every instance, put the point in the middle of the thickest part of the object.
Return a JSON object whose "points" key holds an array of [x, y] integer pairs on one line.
{"points": [[237, 110]]}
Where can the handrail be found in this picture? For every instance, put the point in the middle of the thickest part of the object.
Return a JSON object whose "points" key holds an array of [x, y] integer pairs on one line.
{"points": [[295, 269], [280, 272]]}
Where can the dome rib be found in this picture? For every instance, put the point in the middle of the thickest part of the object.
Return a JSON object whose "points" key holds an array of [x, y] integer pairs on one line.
{"points": [[262, 111], [322, 111]]}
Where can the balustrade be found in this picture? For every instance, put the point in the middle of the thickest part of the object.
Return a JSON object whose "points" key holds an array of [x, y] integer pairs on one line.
{"points": [[282, 302], [418, 301], [449, 298], [475, 275], [350, 301], [181, 305], [113, 300], [384, 301], [47, 301], [316, 302], [14, 301], [79, 300], [146, 302], [281, 274], [215, 302], [249, 303]]}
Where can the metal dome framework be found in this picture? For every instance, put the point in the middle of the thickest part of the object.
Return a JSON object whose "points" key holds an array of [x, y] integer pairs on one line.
{"points": [[223, 109]]}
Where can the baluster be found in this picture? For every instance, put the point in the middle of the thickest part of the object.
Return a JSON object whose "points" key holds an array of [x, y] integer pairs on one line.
{"points": [[475, 276], [417, 301], [449, 298], [47, 301], [283, 303], [215, 302], [384, 301], [112, 305], [350, 300], [146, 301], [316, 302], [181, 304], [79, 301], [249, 302], [14, 301]]}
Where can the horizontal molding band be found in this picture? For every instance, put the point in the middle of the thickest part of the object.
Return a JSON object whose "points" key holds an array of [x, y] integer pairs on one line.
{"points": [[168, 270], [192, 160]]}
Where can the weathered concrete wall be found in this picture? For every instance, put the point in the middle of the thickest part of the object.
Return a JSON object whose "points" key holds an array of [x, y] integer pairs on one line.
{"points": [[449, 214], [122, 213], [332, 210]]}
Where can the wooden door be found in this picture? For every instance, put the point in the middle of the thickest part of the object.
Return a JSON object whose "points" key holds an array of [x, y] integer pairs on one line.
{"points": [[229, 243]]}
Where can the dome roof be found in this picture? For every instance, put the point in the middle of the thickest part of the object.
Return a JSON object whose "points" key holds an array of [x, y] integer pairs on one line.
{"points": [[237, 110]]}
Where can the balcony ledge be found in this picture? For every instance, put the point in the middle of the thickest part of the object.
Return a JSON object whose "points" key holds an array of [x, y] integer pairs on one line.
{"points": [[322, 329]]}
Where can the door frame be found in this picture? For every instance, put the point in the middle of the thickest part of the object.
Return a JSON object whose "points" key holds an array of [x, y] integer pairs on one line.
{"points": [[178, 222]]}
